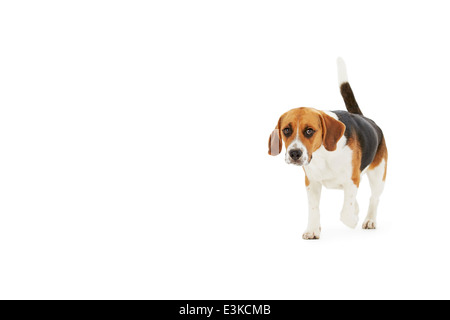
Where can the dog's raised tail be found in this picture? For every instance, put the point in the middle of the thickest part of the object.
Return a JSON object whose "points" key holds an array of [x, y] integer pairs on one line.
{"points": [[346, 90]]}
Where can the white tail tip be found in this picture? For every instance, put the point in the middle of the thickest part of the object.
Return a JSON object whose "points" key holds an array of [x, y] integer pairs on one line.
{"points": [[342, 71]]}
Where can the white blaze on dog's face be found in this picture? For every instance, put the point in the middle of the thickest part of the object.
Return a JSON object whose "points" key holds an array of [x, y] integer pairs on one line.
{"points": [[304, 130]]}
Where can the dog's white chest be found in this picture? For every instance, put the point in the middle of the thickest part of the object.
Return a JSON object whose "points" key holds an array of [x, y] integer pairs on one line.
{"points": [[331, 169]]}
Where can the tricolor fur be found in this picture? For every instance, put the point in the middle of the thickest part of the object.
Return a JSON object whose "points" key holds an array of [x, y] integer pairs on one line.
{"points": [[335, 148]]}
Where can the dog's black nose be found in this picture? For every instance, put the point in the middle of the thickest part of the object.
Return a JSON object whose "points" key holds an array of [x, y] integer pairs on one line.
{"points": [[295, 154]]}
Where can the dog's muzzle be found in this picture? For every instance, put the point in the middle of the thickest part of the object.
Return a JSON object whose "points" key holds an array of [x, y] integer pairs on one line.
{"points": [[297, 157]]}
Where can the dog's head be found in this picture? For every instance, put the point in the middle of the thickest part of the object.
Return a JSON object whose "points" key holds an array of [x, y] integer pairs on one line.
{"points": [[304, 130]]}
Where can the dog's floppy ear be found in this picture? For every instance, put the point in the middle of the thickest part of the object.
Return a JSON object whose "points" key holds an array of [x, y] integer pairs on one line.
{"points": [[332, 131], [275, 140]]}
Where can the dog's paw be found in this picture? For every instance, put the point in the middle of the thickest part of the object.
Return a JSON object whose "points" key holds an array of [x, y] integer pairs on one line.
{"points": [[349, 219], [311, 234], [369, 224]]}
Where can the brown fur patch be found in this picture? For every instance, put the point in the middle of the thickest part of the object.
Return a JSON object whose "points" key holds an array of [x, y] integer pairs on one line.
{"points": [[307, 182], [381, 154], [356, 159]]}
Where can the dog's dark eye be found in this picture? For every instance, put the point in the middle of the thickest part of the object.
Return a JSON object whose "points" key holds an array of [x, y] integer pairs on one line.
{"points": [[309, 132], [287, 132]]}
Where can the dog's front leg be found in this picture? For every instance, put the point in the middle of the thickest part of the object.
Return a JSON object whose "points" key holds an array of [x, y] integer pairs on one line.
{"points": [[313, 190], [349, 213]]}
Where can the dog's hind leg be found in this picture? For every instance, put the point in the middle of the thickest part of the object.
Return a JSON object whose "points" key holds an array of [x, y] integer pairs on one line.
{"points": [[376, 177]]}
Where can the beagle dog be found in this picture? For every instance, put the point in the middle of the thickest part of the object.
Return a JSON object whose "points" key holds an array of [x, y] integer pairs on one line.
{"points": [[335, 149]]}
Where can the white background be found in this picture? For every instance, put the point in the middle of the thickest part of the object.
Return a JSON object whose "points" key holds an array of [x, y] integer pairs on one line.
{"points": [[133, 149]]}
